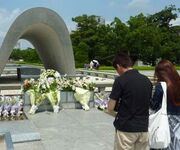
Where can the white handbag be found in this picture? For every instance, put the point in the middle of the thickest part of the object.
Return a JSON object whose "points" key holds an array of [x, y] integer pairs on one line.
{"points": [[159, 132]]}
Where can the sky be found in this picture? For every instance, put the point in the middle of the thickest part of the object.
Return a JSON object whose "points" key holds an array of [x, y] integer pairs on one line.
{"points": [[67, 9]]}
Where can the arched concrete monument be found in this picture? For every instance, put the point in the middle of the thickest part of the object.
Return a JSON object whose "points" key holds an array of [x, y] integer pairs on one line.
{"points": [[47, 32]]}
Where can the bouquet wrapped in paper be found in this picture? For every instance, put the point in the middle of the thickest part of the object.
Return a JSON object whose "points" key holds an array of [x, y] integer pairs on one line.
{"points": [[84, 92], [36, 99], [47, 86], [52, 82], [30, 87], [83, 97], [54, 98]]}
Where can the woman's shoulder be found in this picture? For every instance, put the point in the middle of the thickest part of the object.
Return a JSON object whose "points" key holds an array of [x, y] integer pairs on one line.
{"points": [[158, 86]]}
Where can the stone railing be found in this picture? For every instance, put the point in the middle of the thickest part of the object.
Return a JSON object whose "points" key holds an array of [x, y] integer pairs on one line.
{"points": [[97, 74], [106, 84], [105, 74]]}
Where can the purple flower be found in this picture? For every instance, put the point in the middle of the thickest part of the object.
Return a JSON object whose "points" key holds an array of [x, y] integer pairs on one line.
{"points": [[101, 103], [1, 107], [14, 109], [7, 107]]}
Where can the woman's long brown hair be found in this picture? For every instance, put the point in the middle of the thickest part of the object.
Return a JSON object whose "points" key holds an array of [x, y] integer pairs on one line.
{"points": [[165, 71]]}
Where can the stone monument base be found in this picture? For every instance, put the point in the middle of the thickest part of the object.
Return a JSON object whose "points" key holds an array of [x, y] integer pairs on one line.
{"points": [[67, 102]]}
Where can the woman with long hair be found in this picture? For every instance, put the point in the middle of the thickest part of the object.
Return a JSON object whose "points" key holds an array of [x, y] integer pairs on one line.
{"points": [[165, 71]]}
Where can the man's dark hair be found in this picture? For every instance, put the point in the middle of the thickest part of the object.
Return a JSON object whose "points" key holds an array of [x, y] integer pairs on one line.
{"points": [[122, 59]]}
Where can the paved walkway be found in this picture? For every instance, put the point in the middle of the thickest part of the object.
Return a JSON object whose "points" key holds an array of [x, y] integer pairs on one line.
{"points": [[72, 129]]}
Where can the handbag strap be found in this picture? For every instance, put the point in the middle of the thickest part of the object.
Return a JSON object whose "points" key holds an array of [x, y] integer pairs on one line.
{"points": [[164, 98]]}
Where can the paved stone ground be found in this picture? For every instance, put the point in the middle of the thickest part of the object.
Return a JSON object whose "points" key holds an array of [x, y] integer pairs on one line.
{"points": [[72, 129]]}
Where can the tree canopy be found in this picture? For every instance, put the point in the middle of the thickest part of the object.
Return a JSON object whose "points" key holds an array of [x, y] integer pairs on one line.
{"points": [[147, 38]]}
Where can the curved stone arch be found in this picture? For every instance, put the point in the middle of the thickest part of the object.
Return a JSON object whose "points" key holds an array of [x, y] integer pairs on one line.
{"points": [[47, 32]]}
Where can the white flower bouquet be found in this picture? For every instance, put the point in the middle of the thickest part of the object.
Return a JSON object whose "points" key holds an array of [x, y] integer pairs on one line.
{"points": [[50, 82], [84, 92], [82, 96], [47, 86], [54, 98]]}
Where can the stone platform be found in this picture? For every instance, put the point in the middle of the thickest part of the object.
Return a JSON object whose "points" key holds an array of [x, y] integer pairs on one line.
{"points": [[71, 129], [21, 130]]}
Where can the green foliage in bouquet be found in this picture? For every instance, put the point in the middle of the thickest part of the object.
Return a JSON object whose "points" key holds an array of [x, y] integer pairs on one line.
{"points": [[85, 84], [89, 86], [68, 84], [49, 80]]}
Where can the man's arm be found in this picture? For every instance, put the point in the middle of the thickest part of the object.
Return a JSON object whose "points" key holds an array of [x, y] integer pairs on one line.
{"points": [[111, 107]]}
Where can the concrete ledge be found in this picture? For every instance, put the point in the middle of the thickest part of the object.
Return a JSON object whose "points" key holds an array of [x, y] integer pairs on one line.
{"points": [[21, 131], [26, 137]]}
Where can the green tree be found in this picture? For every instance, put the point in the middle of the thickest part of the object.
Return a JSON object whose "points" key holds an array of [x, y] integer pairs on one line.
{"points": [[162, 19], [85, 32], [81, 54], [170, 38], [153, 36], [119, 35], [28, 55], [102, 40], [16, 54], [143, 39]]}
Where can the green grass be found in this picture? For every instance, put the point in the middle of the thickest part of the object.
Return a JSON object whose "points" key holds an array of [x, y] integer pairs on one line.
{"points": [[178, 67]]}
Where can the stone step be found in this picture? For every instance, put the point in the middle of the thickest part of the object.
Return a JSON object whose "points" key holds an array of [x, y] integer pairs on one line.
{"points": [[10, 92], [10, 86], [10, 71]]}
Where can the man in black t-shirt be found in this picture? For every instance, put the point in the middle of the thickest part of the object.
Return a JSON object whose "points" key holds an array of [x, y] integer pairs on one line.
{"points": [[132, 92]]}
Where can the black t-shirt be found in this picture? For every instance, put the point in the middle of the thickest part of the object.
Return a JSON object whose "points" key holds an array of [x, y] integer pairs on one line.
{"points": [[133, 90]]}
